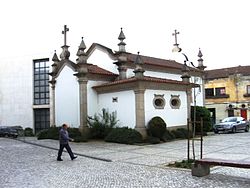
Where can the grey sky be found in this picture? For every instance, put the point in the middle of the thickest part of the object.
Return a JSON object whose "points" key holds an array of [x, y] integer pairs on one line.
{"points": [[219, 27]]}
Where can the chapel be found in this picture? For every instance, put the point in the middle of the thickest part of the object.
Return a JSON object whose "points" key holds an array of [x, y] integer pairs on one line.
{"points": [[136, 87]]}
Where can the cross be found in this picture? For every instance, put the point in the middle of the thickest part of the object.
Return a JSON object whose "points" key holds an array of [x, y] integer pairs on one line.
{"points": [[175, 35], [64, 32]]}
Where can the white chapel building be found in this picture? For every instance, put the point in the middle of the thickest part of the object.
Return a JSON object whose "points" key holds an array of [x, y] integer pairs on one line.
{"points": [[136, 87], [37, 95]]}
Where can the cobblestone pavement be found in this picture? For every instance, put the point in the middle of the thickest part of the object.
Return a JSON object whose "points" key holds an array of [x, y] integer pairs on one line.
{"points": [[24, 165]]}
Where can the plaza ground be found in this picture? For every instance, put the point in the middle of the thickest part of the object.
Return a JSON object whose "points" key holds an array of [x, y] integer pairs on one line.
{"points": [[28, 165]]}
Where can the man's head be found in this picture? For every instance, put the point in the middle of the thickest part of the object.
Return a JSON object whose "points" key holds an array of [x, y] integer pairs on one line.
{"points": [[64, 126]]}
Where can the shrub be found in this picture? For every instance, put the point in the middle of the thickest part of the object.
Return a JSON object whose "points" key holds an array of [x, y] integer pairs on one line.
{"points": [[178, 133], [50, 133], [102, 124], [156, 127], [53, 133], [28, 132], [74, 132], [183, 164], [124, 135], [80, 139], [153, 140], [167, 136], [201, 112]]}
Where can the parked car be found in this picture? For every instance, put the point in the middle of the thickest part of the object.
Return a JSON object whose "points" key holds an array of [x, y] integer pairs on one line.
{"points": [[232, 124], [8, 132]]}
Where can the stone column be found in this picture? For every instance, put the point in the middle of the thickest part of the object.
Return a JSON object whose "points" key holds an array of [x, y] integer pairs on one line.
{"points": [[52, 105], [83, 104], [140, 112]]}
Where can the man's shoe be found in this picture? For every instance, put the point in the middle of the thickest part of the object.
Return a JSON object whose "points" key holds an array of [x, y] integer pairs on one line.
{"points": [[59, 159], [73, 158]]}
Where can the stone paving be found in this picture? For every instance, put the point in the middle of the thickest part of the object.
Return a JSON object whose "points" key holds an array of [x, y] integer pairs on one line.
{"points": [[25, 165]]}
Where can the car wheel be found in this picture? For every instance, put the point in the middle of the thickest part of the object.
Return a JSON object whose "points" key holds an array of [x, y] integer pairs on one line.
{"points": [[216, 131], [247, 129], [234, 130]]}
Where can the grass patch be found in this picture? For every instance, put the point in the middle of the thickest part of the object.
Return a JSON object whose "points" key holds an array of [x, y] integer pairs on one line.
{"points": [[183, 164]]}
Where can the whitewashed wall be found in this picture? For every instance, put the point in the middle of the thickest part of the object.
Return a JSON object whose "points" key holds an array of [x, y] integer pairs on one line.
{"points": [[101, 59], [197, 91], [130, 73], [67, 98], [172, 117], [92, 97], [16, 92], [125, 107]]}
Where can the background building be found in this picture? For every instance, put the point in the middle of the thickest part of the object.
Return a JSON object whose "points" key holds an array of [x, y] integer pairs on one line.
{"points": [[227, 92]]}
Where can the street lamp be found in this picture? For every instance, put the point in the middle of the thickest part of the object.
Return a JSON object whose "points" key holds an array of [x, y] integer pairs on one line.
{"points": [[201, 67]]}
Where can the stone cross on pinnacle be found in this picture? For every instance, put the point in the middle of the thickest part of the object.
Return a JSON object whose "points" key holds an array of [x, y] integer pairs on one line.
{"points": [[175, 35], [64, 32]]}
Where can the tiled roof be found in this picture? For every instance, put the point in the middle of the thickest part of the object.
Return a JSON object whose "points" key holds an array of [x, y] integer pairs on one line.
{"points": [[145, 78], [94, 69], [156, 61], [225, 72]]}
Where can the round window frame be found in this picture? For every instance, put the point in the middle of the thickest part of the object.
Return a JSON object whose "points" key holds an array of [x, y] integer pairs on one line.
{"points": [[162, 106], [177, 99]]}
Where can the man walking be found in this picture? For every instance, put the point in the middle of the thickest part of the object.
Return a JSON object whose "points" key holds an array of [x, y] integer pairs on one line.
{"points": [[64, 143]]}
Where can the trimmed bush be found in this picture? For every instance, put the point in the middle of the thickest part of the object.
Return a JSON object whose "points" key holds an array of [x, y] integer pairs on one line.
{"points": [[102, 124], [156, 127], [80, 139], [178, 133], [53, 133], [168, 136], [124, 135], [153, 140], [28, 132]]}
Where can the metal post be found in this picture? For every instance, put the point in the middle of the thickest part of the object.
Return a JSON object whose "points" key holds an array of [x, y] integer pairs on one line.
{"points": [[188, 140], [201, 138]]}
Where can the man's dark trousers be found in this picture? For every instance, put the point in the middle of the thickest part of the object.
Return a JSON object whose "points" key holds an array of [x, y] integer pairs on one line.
{"points": [[62, 146]]}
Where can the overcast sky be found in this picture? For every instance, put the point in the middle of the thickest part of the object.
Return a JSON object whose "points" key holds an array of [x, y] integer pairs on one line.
{"points": [[219, 27]]}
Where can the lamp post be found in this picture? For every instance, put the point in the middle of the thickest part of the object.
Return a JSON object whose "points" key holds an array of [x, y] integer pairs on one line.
{"points": [[201, 67]]}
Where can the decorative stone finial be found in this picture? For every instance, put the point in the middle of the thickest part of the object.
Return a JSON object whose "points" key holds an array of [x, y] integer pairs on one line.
{"points": [[122, 44], [138, 68], [55, 58], [185, 73], [82, 57], [200, 61]]}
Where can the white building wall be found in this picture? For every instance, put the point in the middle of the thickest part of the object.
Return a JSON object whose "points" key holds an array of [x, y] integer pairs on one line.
{"points": [[92, 97], [101, 59], [125, 107], [172, 117], [197, 92], [130, 73], [16, 92], [67, 98]]}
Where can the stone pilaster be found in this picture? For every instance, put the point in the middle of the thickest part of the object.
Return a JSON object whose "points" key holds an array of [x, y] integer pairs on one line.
{"points": [[83, 104], [52, 104], [140, 112]]}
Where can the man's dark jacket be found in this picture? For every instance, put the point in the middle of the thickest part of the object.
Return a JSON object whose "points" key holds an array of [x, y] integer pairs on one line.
{"points": [[64, 136]]}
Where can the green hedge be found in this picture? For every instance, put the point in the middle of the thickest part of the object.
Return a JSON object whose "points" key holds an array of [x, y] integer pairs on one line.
{"points": [[202, 112], [124, 135], [53, 133], [28, 132]]}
